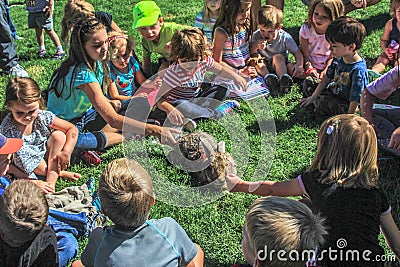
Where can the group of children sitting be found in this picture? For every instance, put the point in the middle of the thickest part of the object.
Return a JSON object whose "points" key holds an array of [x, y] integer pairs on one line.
{"points": [[102, 62]]}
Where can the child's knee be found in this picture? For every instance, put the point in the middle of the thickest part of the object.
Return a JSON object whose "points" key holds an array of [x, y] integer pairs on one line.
{"points": [[57, 137]]}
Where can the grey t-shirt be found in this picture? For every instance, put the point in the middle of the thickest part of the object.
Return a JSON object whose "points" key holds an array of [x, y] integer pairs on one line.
{"points": [[162, 243], [283, 45]]}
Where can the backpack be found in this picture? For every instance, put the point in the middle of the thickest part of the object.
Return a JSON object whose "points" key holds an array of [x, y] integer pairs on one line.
{"points": [[204, 159]]}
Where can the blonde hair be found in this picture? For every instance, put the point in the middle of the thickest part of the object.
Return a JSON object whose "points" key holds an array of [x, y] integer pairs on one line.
{"points": [[206, 12], [25, 90], [334, 9], [347, 152], [117, 41], [270, 16], [126, 193], [23, 212], [74, 10], [283, 224], [394, 4], [188, 44]]}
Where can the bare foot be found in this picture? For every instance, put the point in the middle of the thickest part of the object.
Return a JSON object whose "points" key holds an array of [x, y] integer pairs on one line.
{"points": [[45, 186], [73, 176]]}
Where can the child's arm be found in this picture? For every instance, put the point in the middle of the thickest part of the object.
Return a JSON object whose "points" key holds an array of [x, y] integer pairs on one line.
{"points": [[367, 101], [173, 114], [145, 83], [71, 133], [114, 94], [385, 38], [219, 40], [328, 63], [227, 72], [198, 260], [308, 67], [321, 86], [298, 67], [48, 10], [391, 233], [146, 65], [352, 107], [264, 188]]}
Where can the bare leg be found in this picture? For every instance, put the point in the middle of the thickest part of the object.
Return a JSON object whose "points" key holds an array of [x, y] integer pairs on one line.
{"points": [[349, 7], [54, 37], [279, 64], [39, 36], [113, 135], [380, 64], [55, 144]]}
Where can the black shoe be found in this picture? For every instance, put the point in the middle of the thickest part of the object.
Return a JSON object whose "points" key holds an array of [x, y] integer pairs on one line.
{"points": [[286, 83], [272, 82]]}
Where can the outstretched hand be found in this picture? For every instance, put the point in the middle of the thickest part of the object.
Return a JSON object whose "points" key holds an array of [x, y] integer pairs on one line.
{"points": [[304, 102]]}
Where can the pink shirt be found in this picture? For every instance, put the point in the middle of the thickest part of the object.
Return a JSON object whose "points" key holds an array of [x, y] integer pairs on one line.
{"points": [[385, 85], [318, 46]]}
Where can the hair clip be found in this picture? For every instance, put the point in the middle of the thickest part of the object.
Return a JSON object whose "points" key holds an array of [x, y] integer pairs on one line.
{"points": [[112, 38], [331, 127]]}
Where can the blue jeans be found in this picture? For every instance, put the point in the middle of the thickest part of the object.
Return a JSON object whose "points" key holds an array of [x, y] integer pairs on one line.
{"points": [[68, 227], [8, 54], [203, 105]]}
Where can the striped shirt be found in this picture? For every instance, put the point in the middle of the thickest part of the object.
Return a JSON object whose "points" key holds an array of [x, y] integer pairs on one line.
{"points": [[186, 84], [207, 27], [237, 56]]}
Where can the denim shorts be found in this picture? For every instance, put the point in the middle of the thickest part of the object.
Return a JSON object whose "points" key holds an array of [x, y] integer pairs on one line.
{"points": [[89, 121], [40, 20]]}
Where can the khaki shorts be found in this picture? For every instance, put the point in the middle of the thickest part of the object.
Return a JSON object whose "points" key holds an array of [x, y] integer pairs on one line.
{"points": [[39, 20]]}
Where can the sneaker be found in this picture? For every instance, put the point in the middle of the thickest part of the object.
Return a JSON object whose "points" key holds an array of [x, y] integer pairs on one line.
{"points": [[96, 201], [18, 71], [42, 53], [285, 83], [226, 107], [309, 85], [90, 158], [272, 82], [58, 55], [91, 185]]}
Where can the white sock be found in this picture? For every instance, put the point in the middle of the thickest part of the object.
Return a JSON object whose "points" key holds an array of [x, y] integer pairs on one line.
{"points": [[42, 47], [59, 48]]}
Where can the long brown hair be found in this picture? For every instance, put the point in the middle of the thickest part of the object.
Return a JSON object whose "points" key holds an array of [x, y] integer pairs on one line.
{"points": [[82, 32], [25, 90], [227, 18]]}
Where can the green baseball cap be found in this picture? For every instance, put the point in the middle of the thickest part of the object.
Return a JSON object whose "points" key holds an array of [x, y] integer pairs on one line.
{"points": [[145, 13]]}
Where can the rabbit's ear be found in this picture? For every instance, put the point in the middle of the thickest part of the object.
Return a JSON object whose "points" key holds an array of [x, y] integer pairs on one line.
{"points": [[221, 147]]}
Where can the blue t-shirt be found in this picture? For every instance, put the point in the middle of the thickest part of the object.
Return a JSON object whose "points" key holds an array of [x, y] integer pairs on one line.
{"points": [[348, 80], [73, 102], [125, 82], [156, 243]]}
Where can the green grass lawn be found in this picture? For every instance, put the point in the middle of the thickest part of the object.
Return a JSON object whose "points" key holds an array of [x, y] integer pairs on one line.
{"points": [[217, 226]]}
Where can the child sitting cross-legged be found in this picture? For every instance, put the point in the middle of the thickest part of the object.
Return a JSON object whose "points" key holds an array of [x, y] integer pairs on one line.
{"points": [[275, 44], [340, 90], [126, 196], [181, 94]]}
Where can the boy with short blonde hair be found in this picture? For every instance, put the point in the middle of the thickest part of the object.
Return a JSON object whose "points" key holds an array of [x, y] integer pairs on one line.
{"points": [[272, 42], [275, 224], [156, 33], [126, 196]]}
